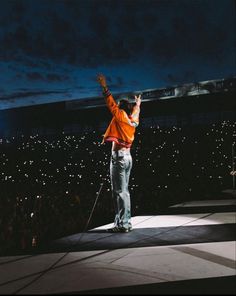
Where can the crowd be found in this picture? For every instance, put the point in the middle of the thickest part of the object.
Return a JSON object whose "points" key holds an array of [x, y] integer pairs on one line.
{"points": [[48, 184]]}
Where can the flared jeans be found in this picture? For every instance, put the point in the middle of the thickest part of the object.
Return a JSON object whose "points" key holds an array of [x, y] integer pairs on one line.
{"points": [[120, 168]]}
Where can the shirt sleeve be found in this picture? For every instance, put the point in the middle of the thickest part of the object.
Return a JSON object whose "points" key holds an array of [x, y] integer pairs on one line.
{"points": [[114, 109]]}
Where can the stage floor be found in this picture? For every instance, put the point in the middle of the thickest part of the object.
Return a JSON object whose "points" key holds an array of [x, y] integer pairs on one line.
{"points": [[187, 253]]}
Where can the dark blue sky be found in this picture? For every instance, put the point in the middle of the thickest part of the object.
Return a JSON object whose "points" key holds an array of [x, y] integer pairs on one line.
{"points": [[52, 50]]}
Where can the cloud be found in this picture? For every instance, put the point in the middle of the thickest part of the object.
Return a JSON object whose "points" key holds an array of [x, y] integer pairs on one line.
{"points": [[56, 78], [34, 76], [181, 77], [26, 94], [50, 77]]}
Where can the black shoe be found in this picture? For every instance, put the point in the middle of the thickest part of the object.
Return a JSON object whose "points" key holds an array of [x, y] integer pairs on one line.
{"points": [[124, 230], [117, 229], [114, 229]]}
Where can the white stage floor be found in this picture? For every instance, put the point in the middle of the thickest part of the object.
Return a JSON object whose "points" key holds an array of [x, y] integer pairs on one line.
{"points": [[91, 270]]}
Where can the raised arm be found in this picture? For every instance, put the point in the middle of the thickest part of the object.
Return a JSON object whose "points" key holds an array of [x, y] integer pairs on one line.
{"points": [[111, 103], [136, 110]]}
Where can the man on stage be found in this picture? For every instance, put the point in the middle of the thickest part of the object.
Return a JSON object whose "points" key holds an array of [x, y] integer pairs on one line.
{"points": [[120, 132]]}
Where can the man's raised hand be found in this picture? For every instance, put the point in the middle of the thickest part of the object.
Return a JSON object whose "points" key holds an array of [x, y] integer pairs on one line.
{"points": [[138, 99], [102, 80]]}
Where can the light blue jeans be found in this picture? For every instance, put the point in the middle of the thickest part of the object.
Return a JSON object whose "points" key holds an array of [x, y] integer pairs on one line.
{"points": [[120, 168]]}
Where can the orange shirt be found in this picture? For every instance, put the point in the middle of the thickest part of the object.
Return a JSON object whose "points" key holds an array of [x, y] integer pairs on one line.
{"points": [[122, 127]]}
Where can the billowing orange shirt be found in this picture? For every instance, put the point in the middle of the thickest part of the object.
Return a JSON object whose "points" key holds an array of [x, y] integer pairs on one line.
{"points": [[122, 127]]}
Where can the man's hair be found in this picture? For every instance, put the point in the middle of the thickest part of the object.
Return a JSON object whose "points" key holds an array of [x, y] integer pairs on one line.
{"points": [[125, 105]]}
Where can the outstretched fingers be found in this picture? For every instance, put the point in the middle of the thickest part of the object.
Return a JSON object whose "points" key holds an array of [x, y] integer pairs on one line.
{"points": [[138, 99]]}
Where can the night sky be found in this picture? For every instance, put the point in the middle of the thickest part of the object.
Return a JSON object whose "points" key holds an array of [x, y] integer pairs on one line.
{"points": [[52, 50]]}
